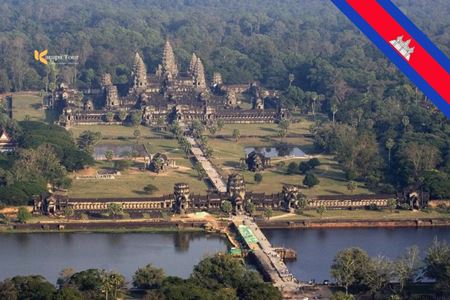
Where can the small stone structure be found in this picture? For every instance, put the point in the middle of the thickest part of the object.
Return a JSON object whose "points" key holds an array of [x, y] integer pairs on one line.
{"points": [[257, 161], [159, 163], [181, 193], [236, 192]]}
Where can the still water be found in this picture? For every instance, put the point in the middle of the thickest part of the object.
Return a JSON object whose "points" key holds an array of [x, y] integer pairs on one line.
{"points": [[316, 248], [177, 253], [48, 253], [274, 152]]}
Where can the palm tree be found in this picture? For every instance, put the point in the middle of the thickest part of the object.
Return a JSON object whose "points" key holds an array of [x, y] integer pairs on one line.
{"points": [[291, 79], [389, 145]]}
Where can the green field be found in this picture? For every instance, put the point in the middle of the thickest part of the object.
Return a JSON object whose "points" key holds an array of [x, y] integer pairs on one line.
{"points": [[265, 130], [113, 132], [132, 183], [28, 106]]}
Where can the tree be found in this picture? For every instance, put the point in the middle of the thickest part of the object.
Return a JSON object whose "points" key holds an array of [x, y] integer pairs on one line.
{"points": [[109, 116], [352, 186], [113, 284], [220, 125], [148, 277], [321, 210], [115, 210], [377, 274], [407, 267], [197, 128], [122, 115], [150, 189], [122, 165], [23, 215], [5, 84], [283, 126], [392, 204], [69, 293], [33, 287], [201, 173], [292, 168], [137, 135], [304, 167], [250, 208], [212, 130], [310, 180], [258, 178], [109, 155], [226, 207], [389, 145], [291, 79], [437, 266], [342, 296], [236, 134], [136, 118], [268, 213], [314, 163], [348, 265], [88, 139], [69, 212]]}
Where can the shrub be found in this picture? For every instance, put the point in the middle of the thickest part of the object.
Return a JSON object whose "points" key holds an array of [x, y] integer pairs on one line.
{"points": [[304, 167], [292, 168], [23, 215], [311, 180], [258, 178], [313, 163]]}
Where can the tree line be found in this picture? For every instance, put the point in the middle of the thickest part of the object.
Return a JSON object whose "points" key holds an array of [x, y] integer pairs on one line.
{"points": [[217, 277]]}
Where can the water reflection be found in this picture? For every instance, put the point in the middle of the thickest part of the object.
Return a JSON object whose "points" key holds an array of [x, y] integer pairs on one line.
{"points": [[281, 150]]}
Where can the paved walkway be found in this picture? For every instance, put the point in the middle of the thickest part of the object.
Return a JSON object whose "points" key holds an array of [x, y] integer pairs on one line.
{"points": [[212, 173]]}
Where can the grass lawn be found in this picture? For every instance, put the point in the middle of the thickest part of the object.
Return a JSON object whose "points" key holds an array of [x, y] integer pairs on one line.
{"points": [[364, 215], [28, 104], [264, 130], [131, 184], [332, 180], [111, 132]]}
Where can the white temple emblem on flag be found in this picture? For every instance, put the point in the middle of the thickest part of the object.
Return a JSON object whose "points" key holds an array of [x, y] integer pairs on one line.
{"points": [[403, 47]]}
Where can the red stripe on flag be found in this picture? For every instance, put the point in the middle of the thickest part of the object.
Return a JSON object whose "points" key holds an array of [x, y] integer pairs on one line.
{"points": [[389, 29]]}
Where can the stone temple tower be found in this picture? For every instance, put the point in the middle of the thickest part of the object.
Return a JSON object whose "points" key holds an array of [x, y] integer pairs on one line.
{"points": [[199, 75], [169, 64], [139, 75], [236, 191], [193, 64], [181, 193]]}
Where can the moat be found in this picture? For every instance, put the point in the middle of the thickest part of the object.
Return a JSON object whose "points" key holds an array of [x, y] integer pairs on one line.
{"points": [[177, 253]]}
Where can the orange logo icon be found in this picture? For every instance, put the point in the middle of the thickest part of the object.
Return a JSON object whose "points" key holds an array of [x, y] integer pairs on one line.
{"points": [[40, 56]]}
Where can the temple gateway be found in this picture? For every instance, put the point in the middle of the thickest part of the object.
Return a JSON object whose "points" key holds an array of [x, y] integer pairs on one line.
{"points": [[167, 95]]}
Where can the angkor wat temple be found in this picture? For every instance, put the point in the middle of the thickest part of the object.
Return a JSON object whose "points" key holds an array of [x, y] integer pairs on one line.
{"points": [[168, 95]]}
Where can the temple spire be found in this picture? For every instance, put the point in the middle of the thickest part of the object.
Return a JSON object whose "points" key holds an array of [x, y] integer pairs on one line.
{"points": [[139, 74], [169, 63], [192, 64]]}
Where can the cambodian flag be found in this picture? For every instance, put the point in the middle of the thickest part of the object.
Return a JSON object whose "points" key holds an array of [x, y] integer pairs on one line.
{"points": [[404, 44]]}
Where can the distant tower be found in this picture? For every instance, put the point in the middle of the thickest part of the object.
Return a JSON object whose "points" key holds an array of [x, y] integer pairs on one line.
{"points": [[192, 64], [139, 75], [169, 64], [199, 75]]}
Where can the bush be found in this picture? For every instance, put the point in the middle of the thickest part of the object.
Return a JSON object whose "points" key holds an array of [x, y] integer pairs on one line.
{"points": [[313, 163], [122, 165], [304, 167], [311, 180], [292, 168], [23, 215], [373, 207], [258, 178]]}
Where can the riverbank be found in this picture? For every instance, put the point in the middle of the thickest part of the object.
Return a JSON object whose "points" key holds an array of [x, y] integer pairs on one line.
{"points": [[349, 223], [176, 225]]}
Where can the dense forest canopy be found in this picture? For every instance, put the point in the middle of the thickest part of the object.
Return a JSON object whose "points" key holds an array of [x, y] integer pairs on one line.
{"points": [[381, 128]]}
